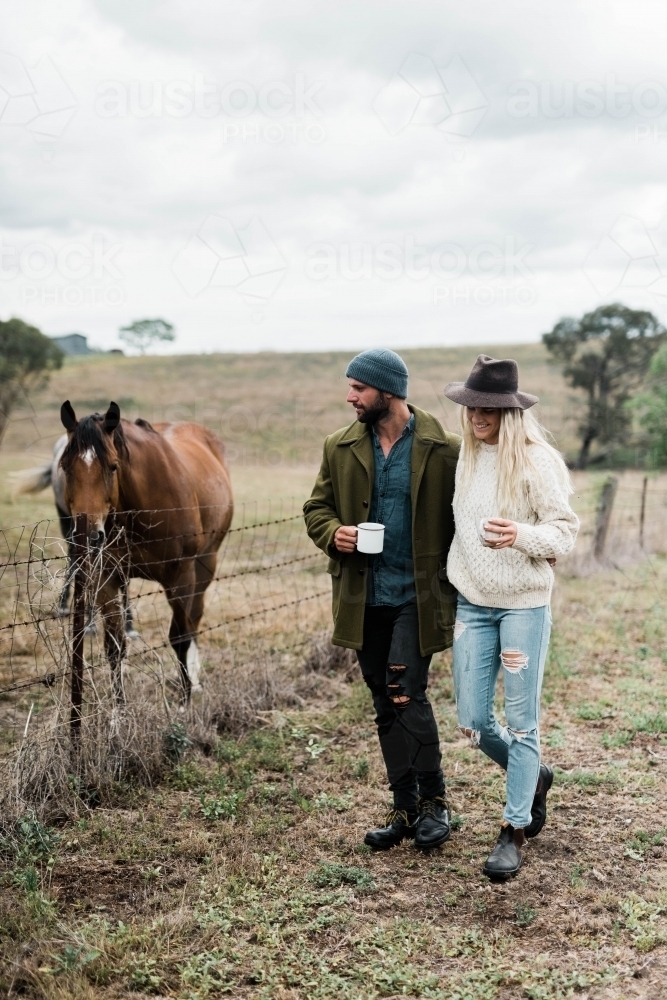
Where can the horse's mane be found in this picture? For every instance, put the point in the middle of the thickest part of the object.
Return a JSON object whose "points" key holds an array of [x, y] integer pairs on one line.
{"points": [[90, 435]]}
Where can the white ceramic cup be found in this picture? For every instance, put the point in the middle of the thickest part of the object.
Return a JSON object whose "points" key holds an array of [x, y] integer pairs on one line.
{"points": [[370, 537]]}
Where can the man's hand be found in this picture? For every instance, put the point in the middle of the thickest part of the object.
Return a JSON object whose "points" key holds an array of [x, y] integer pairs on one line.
{"points": [[345, 539], [504, 530]]}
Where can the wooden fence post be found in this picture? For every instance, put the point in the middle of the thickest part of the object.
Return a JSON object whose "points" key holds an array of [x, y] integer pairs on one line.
{"points": [[603, 518], [80, 539], [642, 512]]}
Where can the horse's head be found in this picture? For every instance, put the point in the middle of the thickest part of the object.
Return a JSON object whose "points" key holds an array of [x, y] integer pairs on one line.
{"points": [[95, 448]]}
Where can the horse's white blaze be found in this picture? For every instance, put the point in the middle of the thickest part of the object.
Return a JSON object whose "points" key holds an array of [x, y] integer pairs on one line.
{"points": [[193, 664], [88, 456]]}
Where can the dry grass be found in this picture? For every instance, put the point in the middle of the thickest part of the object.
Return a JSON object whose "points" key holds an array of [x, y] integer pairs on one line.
{"points": [[271, 410], [49, 777]]}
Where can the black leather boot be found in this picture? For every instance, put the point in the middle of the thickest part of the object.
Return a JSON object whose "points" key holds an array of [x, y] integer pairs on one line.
{"points": [[398, 826], [538, 811], [432, 823], [505, 859]]}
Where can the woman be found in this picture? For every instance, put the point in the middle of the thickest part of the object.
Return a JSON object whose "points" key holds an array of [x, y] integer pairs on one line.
{"points": [[513, 519]]}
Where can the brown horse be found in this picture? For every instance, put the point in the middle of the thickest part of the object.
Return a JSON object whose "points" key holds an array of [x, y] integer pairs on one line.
{"points": [[158, 501]]}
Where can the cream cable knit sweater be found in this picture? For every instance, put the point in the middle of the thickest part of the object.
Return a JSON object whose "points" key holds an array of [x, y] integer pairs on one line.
{"points": [[518, 577]]}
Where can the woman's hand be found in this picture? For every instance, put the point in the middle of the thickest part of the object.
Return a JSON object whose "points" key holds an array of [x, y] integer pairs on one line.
{"points": [[505, 531]]}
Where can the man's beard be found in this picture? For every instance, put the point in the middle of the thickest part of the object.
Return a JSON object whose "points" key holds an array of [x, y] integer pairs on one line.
{"points": [[379, 409]]}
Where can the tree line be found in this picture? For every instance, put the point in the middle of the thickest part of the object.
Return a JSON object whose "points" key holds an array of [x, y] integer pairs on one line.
{"points": [[27, 357], [617, 358]]}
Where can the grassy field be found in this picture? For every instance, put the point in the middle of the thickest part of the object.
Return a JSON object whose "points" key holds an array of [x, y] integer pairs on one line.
{"points": [[270, 409], [242, 872]]}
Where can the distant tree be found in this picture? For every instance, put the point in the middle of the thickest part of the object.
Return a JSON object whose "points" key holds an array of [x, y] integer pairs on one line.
{"points": [[607, 353], [27, 358], [141, 334], [651, 404]]}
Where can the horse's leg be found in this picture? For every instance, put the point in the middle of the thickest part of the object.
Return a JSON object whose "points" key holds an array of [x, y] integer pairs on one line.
{"points": [[91, 624], [204, 572], [67, 529], [180, 595], [130, 630], [63, 600], [110, 604]]}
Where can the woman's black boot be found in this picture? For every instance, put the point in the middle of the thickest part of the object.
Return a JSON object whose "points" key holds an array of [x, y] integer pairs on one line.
{"points": [[505, 859], [539, 809]]}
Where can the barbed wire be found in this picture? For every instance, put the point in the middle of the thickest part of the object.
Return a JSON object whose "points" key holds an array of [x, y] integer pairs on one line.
{"points": [[49, 679], [273, 557]]}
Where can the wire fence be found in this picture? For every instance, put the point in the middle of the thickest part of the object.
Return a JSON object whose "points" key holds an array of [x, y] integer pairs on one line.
{"points": [[623, 519], [270, 593], [269, 599]]}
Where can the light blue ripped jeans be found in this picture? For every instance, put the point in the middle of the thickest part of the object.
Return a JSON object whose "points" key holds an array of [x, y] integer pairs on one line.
{"points": [[517, 639]]}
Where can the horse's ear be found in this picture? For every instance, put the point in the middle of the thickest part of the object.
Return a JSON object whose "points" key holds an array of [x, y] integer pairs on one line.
{"points": [[112, 418], [68, 416]]}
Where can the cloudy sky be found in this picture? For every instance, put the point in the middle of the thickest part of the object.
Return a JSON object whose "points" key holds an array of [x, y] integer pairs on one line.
{"points": [[309, 175]]}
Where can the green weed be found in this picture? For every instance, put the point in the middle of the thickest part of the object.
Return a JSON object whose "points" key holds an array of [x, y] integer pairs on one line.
{"points": [[340, 803], [576, 875], [361, 769], [525, 914], [143, 976], [269, 751], [31, 842], [588, 780], [641, 842], [556, 738], [656, 723], [620, 738], [176, 741], [642, 919], [332, 874], [220, 806], [227, 751], [73, 959], [590, 713], [187, 776]]}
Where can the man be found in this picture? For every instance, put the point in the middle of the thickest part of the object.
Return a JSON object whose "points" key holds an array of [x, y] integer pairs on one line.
{"points": [[394, 465]]}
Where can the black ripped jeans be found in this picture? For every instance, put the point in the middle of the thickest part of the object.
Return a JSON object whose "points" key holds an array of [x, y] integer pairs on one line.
{"points": [[408, 732]]}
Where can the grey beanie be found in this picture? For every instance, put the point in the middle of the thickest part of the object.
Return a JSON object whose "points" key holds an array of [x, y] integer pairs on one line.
{"points": [[382, 369]]}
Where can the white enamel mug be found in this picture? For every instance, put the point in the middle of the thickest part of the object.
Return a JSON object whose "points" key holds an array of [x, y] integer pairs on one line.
{"points": [[485, 532], [370, 537]]}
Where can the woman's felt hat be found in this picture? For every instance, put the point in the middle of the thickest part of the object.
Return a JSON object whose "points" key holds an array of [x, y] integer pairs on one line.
{"points": [[491, 383]]}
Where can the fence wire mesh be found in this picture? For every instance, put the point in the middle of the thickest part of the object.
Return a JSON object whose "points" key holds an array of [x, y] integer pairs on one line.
{"points": [[269, 594], [269, 600]]}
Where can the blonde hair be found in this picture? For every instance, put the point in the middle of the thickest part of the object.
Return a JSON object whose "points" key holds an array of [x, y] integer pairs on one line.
{"points": [[518, 429]]}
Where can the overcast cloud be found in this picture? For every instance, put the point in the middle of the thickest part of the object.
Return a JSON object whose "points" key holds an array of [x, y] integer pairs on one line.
{"points": [[308, 175]]}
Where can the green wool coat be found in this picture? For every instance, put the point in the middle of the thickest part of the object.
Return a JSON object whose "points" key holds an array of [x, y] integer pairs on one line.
{"points": [[342, 495]]}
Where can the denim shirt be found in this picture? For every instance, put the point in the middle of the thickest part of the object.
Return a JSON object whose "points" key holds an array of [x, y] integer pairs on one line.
{"points": [[391, 579]]}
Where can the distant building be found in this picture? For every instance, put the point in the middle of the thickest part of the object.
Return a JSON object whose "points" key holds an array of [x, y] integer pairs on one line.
{"points": [[73, 343]]}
